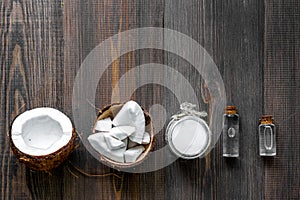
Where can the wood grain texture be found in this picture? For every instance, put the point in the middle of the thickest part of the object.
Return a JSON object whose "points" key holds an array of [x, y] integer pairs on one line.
{"points": [[31, 75], [254, 43], [282, 95], [232, 33], [86, 25]]}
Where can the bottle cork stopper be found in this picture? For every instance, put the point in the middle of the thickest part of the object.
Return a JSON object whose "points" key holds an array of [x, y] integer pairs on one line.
{"points": [[266, 119], [230, 110]]}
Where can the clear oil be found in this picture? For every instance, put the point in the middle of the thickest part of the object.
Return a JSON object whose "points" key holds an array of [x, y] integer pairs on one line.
{"points": [[230, 133], [267, 137]]}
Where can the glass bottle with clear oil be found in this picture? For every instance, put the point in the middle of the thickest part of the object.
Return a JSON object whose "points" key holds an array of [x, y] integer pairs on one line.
{"points": [[267, 139], [230, 133]]}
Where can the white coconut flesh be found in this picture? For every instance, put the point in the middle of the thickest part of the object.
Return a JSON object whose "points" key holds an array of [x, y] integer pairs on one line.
{"points": [[41, 131], [132, 114], [125, 141]]}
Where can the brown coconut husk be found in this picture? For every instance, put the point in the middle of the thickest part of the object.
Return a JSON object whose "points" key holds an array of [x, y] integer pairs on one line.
{"points": [[111, 111], [45, 162]]}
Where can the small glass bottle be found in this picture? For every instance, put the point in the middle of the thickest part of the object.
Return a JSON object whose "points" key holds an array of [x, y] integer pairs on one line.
{"points": [[267, 141], [230, 133]]}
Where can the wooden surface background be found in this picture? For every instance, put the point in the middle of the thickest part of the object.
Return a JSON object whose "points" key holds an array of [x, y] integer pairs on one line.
{"points": [[255, 44]]}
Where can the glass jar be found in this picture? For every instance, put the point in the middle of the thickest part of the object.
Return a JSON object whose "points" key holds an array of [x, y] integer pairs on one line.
{"points": [[187, 134]]}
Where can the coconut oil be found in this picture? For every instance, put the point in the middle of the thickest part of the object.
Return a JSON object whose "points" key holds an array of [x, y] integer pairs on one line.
{"points": [[267, 141], [187, 135], [231, 132]]}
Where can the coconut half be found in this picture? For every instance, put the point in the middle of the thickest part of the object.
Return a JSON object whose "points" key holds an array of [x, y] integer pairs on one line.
{"points": [[42, 138]]}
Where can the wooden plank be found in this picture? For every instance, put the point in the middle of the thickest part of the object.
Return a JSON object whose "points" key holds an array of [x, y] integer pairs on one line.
{"points": [[31, 76], [43, 44], [86, 24], [149, 14], [231, 32], [281, 95]]}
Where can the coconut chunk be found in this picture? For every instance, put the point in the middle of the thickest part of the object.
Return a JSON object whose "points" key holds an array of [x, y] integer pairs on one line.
{"points": [[99, 144], [103, 124], [121, 132], [113, 143], [125, 142], [132, 154], [131, 114], [146, 138]]}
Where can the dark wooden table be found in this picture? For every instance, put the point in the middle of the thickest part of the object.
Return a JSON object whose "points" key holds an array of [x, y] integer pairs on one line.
{"points": [[254, 43]]}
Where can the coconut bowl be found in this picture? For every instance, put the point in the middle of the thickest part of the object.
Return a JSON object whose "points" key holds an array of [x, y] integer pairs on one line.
{"points": [[111, 111]]}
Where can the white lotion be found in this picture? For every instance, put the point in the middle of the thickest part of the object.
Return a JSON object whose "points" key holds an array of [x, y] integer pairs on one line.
{"points": [[189, 137]]}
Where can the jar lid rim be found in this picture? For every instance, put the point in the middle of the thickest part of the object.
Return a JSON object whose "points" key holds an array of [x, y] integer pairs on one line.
{"points": [[202, 150]]}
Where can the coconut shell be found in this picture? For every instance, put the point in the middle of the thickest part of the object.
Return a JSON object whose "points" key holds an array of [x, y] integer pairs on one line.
{"points": [[45, 162], [111, 111]]}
